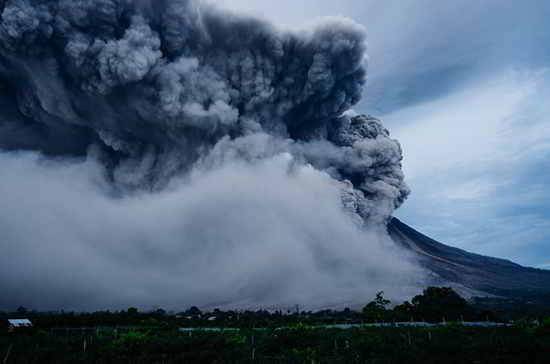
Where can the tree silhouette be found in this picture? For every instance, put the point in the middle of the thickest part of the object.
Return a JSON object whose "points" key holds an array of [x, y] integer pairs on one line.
{"points": [[439, 303], [376, 309]]}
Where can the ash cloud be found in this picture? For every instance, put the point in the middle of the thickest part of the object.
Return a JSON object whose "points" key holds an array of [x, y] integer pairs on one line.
{"points": [[148, 146]]}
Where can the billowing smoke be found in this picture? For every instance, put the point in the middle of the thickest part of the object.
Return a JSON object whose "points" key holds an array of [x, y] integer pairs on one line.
{"points": [[167, 152]]}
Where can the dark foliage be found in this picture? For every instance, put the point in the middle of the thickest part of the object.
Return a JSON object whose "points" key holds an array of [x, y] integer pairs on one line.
{"points": [[450, 344]]}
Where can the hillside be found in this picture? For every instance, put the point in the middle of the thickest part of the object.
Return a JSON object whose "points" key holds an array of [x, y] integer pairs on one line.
{"points": [[472, 274]]}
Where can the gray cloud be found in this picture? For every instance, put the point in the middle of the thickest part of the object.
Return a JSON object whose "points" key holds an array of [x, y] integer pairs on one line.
{"points": [[179, 139], [170, 76], [246, 234]]}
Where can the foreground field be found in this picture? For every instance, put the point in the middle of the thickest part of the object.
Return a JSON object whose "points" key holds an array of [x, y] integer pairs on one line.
{"points": [[425, 330], [450, 344]]}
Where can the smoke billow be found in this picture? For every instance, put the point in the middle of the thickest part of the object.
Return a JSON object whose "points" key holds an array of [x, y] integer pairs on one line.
{"points": [[168, 152]]}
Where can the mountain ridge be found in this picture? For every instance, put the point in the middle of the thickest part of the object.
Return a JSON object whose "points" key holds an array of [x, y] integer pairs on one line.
{"points": [[473, 274]]}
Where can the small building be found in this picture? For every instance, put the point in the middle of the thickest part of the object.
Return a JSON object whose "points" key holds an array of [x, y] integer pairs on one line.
{"points": [[12, 325]]}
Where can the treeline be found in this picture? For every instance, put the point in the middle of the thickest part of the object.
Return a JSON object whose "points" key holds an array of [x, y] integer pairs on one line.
{"points": [[435, 304]]}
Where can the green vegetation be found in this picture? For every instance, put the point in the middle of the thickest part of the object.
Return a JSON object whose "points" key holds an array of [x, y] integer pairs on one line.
{"points": [[131, 336], [452, 344]]}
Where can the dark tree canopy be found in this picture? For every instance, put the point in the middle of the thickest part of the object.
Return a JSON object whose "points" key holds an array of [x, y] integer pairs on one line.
{"points": [[440, 303]]}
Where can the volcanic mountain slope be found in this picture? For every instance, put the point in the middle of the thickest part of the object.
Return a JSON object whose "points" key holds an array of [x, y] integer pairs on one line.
{"points": [[471, 274]]}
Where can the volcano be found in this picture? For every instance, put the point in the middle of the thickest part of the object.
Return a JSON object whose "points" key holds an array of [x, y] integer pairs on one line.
{"points": [[473, 275], [172, 153]]}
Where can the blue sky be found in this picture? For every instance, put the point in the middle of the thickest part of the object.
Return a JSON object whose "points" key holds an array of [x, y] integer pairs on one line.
{"points": [[464, 85]]}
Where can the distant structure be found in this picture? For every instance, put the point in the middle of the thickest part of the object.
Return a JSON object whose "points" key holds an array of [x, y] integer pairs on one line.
{"points": [[13, 325]]}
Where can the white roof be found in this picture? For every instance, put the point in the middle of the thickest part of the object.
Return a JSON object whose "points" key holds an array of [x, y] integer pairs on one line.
{"points": [[20, 322]]}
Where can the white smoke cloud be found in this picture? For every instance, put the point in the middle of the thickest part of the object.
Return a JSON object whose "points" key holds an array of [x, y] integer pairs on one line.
{"points": [[244, 234]]}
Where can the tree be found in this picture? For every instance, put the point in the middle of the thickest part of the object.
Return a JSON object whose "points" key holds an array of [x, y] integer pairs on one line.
{"points": [[376, 310], [404, 311], [438, 303], [194, 311], [22, 310]]}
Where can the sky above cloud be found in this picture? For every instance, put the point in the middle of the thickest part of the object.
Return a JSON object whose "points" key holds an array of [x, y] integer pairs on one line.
{"points": [[464, 86]]}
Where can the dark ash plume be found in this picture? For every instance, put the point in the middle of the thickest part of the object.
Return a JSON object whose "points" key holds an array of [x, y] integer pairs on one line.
{"points": [[159, 91], [154, 85]]}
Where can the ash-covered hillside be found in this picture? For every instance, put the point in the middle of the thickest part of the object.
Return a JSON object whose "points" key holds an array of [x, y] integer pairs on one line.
{"points": [[471, 274]]}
